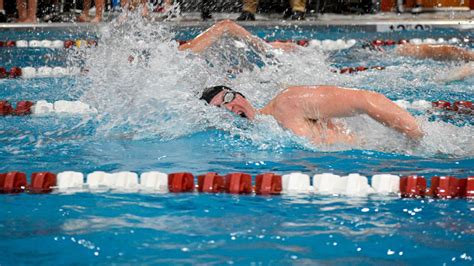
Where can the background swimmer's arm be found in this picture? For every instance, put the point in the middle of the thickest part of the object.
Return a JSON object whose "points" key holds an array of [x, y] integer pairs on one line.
{"points": [[285, 46], [332, 102], [437, 52], [459, 73], [214, 33]]}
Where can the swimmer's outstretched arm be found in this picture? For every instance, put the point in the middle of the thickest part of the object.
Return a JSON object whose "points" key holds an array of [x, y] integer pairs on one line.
{"points": [[333, 102], [214, 33], [436, 52]]}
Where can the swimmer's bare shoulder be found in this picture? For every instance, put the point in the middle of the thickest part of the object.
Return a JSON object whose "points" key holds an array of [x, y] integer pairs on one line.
{"points": [[308, 102], [326, 102]]}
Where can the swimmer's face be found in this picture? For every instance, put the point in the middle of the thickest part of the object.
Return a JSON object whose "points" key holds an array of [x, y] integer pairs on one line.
{"points": [[235, 103]]}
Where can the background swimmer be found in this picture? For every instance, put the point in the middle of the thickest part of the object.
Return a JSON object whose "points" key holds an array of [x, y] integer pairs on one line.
{"points": [[423, 51], [230, 28], [436, 52], [442, 52], [308, 111]]}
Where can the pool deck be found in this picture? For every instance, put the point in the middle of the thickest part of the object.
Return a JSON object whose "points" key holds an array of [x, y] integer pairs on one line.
{"points": [[462, 20]]}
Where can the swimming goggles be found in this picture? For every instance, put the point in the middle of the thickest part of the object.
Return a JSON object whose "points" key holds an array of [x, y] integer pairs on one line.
{"points": [[229, 96]]}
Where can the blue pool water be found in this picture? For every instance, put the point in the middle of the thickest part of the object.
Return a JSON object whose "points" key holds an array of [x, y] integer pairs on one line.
{"points": [[149, 120]]}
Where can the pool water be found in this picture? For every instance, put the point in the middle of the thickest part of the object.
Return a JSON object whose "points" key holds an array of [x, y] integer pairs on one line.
{"points": [[149, 120]]}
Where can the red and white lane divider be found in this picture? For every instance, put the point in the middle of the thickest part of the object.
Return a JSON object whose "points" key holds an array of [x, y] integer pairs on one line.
{"points": [[390, 42], [51, 44], [42, 107], [52, 72], [40, 72], [351, 70], [460, 107], [241, 183], [77, 107], [326, 44]]}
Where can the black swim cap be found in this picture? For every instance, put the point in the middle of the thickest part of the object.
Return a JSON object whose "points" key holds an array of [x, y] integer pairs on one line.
{"points": [[211, 92]]}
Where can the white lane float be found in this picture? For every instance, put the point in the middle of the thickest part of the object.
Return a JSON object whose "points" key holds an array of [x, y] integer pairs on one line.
{"points": [[354, 185], [296, 183], [70, 179], [154, 181], [386, 184], [34, 43], [72, 107], [332, 45], [22, 43], [326, 183]]}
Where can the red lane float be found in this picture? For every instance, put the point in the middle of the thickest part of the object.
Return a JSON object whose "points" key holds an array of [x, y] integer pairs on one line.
{"points": [[268, 184], [22, 108], [211, 183], [3, 73], [441, 104], [7, 43], [466, 187], [181, 182], [14, 72], [42, 182], [464, 107], [12, 182], [412, 186], [304, 43], [387, 42], [238, 183], [444, 187], [5, 108], [461, 107], [350, 70], [68, 44]]}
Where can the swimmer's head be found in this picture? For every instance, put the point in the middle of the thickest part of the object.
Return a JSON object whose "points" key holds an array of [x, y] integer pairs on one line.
{"points": [[223, 96]]}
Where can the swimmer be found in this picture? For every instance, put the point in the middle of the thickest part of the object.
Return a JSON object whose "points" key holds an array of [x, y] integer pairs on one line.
{"points": [[439, 52], [230, 28], [308, 111], [442, 53]]}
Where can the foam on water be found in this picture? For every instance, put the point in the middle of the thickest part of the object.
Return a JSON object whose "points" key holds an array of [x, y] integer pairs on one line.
{"points": [[155, 95]]}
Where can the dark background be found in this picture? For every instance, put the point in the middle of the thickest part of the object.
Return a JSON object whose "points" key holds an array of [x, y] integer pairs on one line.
{"points": [[265, 6], [313, 6]]}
